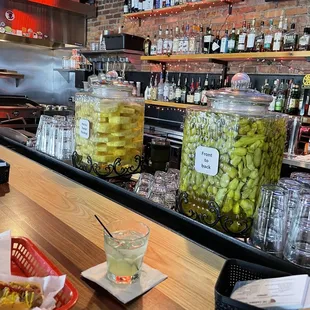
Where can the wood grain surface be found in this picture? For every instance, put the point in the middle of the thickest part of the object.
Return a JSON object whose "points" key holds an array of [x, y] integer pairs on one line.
{"points": [[57, 214]]}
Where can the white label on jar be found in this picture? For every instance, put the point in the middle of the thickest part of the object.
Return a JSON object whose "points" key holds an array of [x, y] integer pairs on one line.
{"points": [[207, 160], [84, 128]]}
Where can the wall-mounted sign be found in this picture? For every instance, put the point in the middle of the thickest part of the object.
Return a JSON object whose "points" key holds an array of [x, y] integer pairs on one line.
{"points": [[9, 15]]}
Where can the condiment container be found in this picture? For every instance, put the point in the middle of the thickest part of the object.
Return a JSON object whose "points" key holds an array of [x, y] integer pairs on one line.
{"points": [[109, 126], [229, 151]]}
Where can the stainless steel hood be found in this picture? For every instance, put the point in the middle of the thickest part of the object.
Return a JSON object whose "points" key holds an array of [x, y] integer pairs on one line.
{"points": [[51, 23], [67, 5]]}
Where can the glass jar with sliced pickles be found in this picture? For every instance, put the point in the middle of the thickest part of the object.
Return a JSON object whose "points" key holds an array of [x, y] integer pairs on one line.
{"points": [[109, 126], [229, 151]]}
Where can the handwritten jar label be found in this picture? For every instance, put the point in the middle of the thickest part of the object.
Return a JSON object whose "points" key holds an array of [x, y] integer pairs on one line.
{"points": [[207, 160], [84, 128]]}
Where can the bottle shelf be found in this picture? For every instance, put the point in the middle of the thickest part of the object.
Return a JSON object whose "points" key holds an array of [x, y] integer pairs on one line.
{"points": [[169, 104], [294, 55], [189, 6]]}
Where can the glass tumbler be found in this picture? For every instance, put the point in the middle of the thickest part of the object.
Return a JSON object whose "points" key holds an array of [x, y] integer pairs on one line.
{"points": [[294, 191], [269, 227], [297, 247], [126, 250]]}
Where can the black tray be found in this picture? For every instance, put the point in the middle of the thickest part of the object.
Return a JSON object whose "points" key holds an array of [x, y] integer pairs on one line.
{"points": [[235, 270]]}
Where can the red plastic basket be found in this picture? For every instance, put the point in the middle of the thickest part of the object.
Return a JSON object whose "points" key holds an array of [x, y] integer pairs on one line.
{"points": [[29, 261]]}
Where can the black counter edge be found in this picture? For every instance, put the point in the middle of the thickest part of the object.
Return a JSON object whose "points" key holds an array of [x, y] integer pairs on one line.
{"points": [[203, 235]]}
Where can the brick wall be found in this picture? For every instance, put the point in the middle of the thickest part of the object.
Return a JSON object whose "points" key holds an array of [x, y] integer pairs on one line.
{"points": [[110, 17]]}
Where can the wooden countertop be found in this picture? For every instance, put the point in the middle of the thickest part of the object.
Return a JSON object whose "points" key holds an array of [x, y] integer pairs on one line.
{"points": [[57, 214]]}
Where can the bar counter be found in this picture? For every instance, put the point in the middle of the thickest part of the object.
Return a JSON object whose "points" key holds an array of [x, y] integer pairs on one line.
{"points": [[57, 214]]}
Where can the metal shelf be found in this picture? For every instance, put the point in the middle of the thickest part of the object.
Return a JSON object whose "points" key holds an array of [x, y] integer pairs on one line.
{"points": [[294, 55], [120, 51], [190, 6], [12, 75]]}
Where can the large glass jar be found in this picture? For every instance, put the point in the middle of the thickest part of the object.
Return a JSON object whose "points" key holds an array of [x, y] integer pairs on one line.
{"points": [[109, 128], [229, 151]]}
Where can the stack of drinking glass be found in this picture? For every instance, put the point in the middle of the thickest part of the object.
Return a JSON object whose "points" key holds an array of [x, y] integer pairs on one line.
{"points": [[55, 136], [282, 220], [160, 188]]}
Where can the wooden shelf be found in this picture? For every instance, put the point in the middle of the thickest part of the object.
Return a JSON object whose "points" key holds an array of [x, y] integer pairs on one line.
{"points": [[189, 6], [169, 104], [296, 55]]}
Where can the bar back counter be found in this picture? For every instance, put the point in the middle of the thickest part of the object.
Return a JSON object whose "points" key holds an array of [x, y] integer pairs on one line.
{"points": [[215, 241]]}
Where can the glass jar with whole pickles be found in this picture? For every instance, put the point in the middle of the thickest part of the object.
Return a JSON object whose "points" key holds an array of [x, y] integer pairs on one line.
{"points": [[109, 127], [229, 151]]}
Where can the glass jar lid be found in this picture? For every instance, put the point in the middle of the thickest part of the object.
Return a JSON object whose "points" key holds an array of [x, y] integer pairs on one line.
{"points": [[240, 92]]}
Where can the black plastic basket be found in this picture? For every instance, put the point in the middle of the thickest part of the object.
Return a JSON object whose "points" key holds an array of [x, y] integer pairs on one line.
{"points": [[4, 172], [236, 270]]}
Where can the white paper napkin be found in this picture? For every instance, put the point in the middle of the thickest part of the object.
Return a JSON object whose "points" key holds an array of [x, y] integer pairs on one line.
{"points": [[5, 252], [149, 278]]}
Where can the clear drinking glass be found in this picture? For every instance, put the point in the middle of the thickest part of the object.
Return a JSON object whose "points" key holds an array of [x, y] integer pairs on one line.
{"points": [[126, 250], [269, 227], [297, 247], [294, 190]]}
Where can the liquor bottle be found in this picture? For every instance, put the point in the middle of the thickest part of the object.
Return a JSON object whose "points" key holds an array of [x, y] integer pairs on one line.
{"points": [[178, 90], [140, 5], [285, 25], [304, 40], [266, 89], [147, 93], [157, 4], [132, 8], [175, 43], [274, 95], [166, 42], [154, 46], [289, 88], [212, 84], [190, 93], [126, 9], [186, 40], [278, 37], [204, 91], [170, 43], [250, 41], [192, 40], [172, 2], [259, 40], [216, 44], [279, 103], [220, 82], [232, 40], [293, 107], [172, 90], [159, 42], [166, 89], [224, 42], [181, 39], [290, 39], [242, 38], [160, 87], [154, 89], [197, 93], [306, 106], [147, 46], [268, 41], [207, 41], [199, 41], [301, 101], [184, 91], [136, 6]]}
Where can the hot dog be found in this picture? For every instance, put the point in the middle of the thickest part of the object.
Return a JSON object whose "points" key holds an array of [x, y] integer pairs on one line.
{"points": [[20, 295]]}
